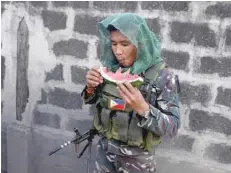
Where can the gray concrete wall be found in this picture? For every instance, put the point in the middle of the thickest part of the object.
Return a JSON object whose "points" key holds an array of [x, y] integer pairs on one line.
{"points": [[47, 47]]}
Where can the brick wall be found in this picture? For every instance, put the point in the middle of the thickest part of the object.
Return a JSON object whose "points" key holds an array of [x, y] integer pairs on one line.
{"points": [[196, 43]]}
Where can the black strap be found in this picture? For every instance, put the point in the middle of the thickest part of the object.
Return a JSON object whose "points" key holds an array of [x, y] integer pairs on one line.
{"points": [[112, 113], [148, 89]]}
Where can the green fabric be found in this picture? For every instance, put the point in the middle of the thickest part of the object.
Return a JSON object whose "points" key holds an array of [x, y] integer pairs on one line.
{"points": [[136, 30]]}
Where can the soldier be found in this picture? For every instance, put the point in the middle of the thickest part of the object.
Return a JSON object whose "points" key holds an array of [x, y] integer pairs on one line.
{"points": [[130, 134]]}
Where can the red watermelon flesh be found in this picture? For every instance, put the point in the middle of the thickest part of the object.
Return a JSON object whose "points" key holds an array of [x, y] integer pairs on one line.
{"points": [[121, 77]]}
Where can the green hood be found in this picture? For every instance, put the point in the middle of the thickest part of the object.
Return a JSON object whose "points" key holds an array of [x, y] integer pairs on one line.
{"points": [[136, 30]]}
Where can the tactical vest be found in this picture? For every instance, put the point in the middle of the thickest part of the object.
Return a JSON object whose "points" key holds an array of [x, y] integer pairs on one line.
{"points": [[122, 125]]}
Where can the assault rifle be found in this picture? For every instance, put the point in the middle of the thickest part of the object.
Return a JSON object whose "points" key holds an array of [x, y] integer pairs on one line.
{"points": [[88, 135]]}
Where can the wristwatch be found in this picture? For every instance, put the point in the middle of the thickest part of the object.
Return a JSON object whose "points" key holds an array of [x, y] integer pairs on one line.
{"points": [[146, 114]]}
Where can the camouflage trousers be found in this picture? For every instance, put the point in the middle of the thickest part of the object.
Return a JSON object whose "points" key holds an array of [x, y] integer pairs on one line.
{"points": [[111, 158]]}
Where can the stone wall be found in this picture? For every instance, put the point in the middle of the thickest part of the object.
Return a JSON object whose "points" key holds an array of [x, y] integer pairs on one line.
{"points": [[47, 48]]}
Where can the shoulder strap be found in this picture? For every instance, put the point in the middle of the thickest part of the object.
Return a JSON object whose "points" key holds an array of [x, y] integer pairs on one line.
{"points": [[153, 72], [150, 76]]}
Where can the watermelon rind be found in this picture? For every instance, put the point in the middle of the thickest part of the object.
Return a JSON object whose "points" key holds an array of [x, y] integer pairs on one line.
{"points": [[135, 82], [138, 82]]}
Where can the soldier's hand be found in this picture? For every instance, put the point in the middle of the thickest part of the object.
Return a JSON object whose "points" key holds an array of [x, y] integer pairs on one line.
{"points": [[94, 77], [132, 97]]}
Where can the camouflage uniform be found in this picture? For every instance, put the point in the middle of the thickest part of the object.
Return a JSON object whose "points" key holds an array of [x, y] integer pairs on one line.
{"points": [[129, 139], [122, 159], [164, 120]]}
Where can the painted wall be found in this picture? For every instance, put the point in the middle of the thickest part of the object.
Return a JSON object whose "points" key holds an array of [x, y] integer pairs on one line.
{"points": [[47, 47]]}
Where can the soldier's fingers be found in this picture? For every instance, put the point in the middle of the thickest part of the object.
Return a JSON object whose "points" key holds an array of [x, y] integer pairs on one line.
{"points": [[130, 87], [93, 83], [134, 94], [123, 88], [96, 68], [94, 73], [126, 92], [123, 95], [93, 78]]}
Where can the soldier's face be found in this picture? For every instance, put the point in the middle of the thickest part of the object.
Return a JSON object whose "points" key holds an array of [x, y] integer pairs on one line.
{"points": [[123, 49]]}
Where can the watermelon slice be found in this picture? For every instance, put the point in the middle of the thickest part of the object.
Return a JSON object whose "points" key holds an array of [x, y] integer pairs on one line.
{"points": [[121, 77]]}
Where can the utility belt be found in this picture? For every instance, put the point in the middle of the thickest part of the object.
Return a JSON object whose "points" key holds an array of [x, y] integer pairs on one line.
{"points": [[120, 148]]}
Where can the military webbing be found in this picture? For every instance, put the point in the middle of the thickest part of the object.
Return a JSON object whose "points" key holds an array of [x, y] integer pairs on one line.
{"points": [[150, 94], [153, 72], [149, 81], [134, 136]]}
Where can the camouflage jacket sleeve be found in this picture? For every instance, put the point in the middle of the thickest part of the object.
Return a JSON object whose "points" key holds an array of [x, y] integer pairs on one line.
{"points": [[164, 116], [89, 99]]}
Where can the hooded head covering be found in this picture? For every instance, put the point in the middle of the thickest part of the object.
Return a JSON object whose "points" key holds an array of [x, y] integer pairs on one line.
{"points": [[136, 30]]}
